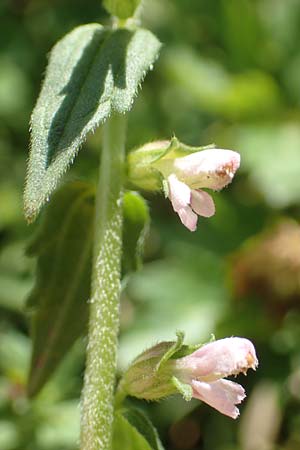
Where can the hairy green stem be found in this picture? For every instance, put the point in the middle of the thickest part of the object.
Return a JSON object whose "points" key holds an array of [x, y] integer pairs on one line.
{"points": [[99, 380]]}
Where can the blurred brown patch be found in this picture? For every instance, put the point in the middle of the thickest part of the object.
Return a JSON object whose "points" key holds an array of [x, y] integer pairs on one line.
{"points": [[269, 266], [185, 434]]}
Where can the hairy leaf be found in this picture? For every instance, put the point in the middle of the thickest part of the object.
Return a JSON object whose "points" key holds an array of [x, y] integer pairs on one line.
{"points": [[136, 223], [64, 247], [121, 8], [92, 72]]}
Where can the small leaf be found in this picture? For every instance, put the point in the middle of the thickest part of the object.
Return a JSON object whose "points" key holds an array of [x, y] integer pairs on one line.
{"points": [[136, 223], [92, 72], [141, 422], [64, 249], [121, 8], [126, 436]]}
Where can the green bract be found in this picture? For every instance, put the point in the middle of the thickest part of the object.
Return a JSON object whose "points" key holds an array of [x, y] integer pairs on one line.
{"points": [[92, 72]]}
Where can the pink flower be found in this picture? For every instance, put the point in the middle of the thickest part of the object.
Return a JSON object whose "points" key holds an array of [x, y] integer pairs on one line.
{"points": [[213, 168], [205, 369]]}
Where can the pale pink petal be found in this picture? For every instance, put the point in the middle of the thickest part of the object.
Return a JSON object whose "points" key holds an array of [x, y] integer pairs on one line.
{"points": [[188, 218], [222, 395], [218, 359], [213, 168], [179, 193], [180, 196], [202, 203]]}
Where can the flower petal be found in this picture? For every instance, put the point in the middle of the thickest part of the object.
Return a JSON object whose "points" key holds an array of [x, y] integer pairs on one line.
{"points": [[213, 168], [222, 395], [179, 193], [188, 218], [180, 196], [202, 203], [218, 359]]}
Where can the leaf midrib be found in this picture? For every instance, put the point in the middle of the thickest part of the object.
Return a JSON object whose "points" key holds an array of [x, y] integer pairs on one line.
{"points": [[76, 99]]}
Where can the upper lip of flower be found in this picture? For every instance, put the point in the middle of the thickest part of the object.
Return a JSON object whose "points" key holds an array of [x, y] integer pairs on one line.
{"points": [[212, 168], [218, 359], [206, 368], [228, 169], [250, 362]]}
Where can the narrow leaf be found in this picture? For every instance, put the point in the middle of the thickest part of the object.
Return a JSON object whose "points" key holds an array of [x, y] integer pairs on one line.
{"points": [[92, 72], [64, 247], [121, 8], [136, 223]]}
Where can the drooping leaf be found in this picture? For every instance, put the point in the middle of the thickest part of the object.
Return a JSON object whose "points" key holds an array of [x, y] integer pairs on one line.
{"points": [[144, 426], [92, 72], [64, 247], [121, 8], [136, 223], [127, 437]]}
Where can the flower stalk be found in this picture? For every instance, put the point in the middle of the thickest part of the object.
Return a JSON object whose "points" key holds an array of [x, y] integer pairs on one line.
{"points": [[99, 380]]}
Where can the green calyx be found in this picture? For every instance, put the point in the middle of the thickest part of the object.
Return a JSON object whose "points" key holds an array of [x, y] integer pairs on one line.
{"points": [[142, 172], [149, 165], [151, 375]]}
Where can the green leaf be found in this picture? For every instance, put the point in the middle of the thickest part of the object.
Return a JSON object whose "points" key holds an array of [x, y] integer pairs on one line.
{"points": [[64, 249], [126, 436], [141, 422], [136, 223], [92, 72], [121, 8]]}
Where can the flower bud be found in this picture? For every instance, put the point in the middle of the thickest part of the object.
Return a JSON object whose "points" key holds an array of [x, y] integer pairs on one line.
{"points": [[145, 380], [141, 170]]}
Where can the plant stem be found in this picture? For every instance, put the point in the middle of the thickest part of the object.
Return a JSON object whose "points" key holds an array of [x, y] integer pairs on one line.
{"points": [[99, 380]]}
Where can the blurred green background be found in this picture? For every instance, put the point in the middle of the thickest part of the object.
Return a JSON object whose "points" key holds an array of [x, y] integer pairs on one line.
{"points": [[229, 73]]}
